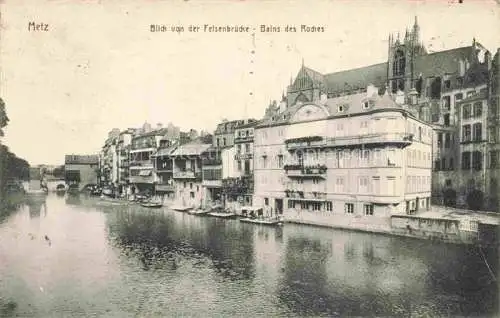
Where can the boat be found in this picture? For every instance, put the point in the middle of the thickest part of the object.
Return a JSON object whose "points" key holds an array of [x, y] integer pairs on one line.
{"points": [[151, 204], [181, 208], [265, 221], [223, 213], [255, 215], [199, 211]]}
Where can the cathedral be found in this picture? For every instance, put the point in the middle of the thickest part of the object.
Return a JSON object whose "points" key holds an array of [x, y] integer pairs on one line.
{"points": [[456, 91]]}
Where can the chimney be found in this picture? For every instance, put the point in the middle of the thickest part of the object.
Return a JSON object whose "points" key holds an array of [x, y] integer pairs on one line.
{"points": [[146, 127]]}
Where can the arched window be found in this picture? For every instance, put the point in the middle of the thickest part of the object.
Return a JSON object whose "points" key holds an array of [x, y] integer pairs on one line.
{"points": [[302, 98], [398, 66]]}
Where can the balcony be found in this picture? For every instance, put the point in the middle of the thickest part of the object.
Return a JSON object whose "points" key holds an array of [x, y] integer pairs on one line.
{"points": [[141, 179], [187, 175], [243, 156], [143, 146], [165, 187], [212, 183], [403, 139], [212, 162], [141, 163], [301, 171], [236, 186], [305, 196], [241, 139]]}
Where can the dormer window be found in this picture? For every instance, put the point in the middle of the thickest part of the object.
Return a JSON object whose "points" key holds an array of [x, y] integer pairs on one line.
{"points": [[367, 104], [341, 108]]}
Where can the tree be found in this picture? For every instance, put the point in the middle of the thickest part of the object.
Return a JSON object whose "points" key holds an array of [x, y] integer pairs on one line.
{"points": [[4, 120]]}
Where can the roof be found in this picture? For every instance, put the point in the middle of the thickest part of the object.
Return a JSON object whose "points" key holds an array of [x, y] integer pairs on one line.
{"points": [[81, 159], [166, 151], [352, 104], [157, 132], [443, 62], [229, 126], [190, 149], [357, 78]]}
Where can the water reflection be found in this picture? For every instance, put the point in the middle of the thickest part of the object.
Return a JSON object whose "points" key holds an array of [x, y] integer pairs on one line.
{"points": [[119, 259], [37, 205], [159, 240], [73, 199]]}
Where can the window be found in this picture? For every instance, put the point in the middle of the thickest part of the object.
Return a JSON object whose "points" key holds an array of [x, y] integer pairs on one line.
{"points": [[478, 109], [447, 140], [493, 159], [448, 182], [190, 185], [443, 163], [447, 102], [466, 111], [218, 142], [197, 188], [477, 160], [465, 160], [264, 161], [329, 206], [239, 165], [280, 161], [399, 64], [391, 186], [446, 118], [266, 201], [224, 141], [451, 164], [391, 158], [247, 148], [466, 133], [340, 184], [363, 184], [238, 151], [367, 104], [349, 208], [376, 185], [459, 96], [341, 108], [447, 84], [192, 194], [493, 134], [185, 184], [368, 209], [477, 132], [440, 139]]}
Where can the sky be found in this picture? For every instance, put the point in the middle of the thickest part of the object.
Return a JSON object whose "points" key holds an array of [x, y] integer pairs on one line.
{"points": [[99, 66]]}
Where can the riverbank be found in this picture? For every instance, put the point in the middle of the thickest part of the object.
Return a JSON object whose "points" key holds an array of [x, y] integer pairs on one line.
{"points": [[439, 224]]}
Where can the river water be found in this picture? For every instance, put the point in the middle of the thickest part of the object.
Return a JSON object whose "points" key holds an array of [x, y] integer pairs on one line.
{"points": [[101, 259]]}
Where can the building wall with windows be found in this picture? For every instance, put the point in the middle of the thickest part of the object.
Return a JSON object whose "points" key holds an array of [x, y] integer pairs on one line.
{"points": [[474, 150], [360, 154]]}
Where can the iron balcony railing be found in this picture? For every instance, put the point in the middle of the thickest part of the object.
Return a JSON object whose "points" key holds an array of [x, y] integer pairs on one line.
{"points": [[321, 142], [187, 174], [165, 187], [305, 196], [243, 156]]}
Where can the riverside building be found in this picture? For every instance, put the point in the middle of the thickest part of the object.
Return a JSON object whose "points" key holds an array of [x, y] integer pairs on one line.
{"points": [[356, 156]]}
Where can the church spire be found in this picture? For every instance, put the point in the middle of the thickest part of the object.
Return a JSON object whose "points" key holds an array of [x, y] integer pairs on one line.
{"points": [[416, 32]]}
